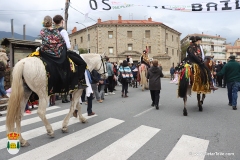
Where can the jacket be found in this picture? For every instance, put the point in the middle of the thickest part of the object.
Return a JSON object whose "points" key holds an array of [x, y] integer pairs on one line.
{"points": [[2, 69], [109, 68], [231, 71], [95, 76], [154, 74]]}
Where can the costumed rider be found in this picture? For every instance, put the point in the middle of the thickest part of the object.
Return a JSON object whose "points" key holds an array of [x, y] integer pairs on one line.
{"points": [[81, 64], [195, 55], [145, 59]]}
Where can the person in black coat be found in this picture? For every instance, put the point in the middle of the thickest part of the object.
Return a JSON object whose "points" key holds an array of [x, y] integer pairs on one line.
{"points": [[154, 74]]}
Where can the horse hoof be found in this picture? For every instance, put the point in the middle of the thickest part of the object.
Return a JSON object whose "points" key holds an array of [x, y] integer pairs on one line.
{"points": [[64, 130], [25, 144], [83, 120], [51, 134]]}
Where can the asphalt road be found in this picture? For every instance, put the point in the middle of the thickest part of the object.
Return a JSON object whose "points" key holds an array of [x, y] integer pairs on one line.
{"points": [[129, 128]]}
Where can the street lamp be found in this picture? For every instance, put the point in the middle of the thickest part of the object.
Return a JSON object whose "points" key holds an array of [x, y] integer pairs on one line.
{"points": [[87, 33]]}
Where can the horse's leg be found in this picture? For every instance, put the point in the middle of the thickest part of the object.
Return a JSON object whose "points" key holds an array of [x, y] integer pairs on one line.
{"points": [[43, 103], [79, 108], [185, 109], [199, 101], [75, 101], [23, 103]]}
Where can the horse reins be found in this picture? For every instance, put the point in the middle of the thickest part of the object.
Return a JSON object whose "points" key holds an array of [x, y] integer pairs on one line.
{"points": [[102, 64]]}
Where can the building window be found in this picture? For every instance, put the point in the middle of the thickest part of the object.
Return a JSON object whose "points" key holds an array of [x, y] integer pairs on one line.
{"points": [[129, 47], [172, 51], [81, 39], [147, 34], [166, 50], [166, 36], [110, 50], [110, 34], [129, 34], [75, 41], [172, 37], [231, 53], [177, 52], [88, 37]]}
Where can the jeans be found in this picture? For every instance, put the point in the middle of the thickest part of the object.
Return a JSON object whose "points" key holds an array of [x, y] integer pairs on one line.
{"points": [[124, 86], [232, 88], [110, 85], [89, 105], [95, 91], [101, 94], [155, 95], [2, 90]]}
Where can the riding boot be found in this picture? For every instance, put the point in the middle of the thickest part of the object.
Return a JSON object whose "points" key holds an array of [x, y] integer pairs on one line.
{"points": [[212, 87]]}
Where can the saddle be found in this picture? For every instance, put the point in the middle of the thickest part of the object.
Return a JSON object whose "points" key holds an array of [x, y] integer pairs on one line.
{"points": [[62, 73]]}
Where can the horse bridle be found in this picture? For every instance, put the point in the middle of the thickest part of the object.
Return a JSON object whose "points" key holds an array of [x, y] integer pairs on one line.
{"points": [[102, 64]]}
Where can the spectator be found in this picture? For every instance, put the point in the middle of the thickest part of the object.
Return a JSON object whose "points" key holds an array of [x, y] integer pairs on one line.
{"points": [[95, 76], [2, 75], [110, 72], [231, 71], [154, 74], [126, 74], [172, 71]]}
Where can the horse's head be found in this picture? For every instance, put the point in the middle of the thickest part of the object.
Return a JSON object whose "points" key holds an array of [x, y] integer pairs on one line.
{"points": [[96, 62]]}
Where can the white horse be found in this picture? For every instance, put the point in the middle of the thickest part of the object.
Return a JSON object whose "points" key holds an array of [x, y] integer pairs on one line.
{"points": [[29, 75], [143, 76]]}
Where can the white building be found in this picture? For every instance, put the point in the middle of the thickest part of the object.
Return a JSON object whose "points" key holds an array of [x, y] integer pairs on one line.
{"points": [[212, 45]]}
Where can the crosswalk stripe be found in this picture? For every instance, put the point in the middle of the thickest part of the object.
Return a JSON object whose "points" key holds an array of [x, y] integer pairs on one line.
{"points": [[4, 112], [37, 119], [189, 148], [32, 112], [128, 145], [50, 150], [42, 130]]}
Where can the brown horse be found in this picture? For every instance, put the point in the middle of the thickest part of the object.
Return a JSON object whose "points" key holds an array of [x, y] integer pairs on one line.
{"points": [[193, 78]]}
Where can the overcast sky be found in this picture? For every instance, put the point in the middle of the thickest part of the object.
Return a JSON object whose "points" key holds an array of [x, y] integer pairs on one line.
{"points": [[225, 24]]}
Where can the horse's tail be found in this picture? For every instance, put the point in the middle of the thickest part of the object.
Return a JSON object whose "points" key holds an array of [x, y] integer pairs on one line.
{"points": [[17, 94]]}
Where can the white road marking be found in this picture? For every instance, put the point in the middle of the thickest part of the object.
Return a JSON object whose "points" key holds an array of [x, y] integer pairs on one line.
{"points": [[37, 119], [56, 147], [144, 112], [42, 130], [128, 145], [189, 148], [26, 114]]}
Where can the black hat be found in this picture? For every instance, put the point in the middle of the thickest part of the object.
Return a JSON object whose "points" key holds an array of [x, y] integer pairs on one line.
{"points": [[198, 38], [231, 57], [192, 39]]}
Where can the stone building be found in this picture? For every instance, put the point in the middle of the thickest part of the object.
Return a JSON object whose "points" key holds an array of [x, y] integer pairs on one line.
{"points": [[234, 50], [212, 45], [120, 38]]}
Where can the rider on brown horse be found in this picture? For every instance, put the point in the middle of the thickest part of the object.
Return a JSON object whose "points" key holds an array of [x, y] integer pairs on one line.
{"points": [[195, 56]]}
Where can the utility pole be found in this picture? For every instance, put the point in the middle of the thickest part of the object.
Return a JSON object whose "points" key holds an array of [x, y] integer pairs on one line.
{"points": [[24, 32], [12, 28], [66, 12]]}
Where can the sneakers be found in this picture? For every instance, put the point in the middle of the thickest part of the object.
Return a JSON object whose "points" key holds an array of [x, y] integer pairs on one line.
{"points": [[234, 108], [111, 93], [106, 94], [27, 111], [5, 96], [75, 113]]}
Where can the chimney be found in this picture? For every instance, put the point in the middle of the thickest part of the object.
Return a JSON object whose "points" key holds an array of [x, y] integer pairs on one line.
{"points": [[99, 20], [150, 19], [74, 30], [119, 19]]}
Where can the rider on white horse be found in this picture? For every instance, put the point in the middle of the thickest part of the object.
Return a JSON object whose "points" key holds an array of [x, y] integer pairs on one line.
{"points": [[145, 59]]}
